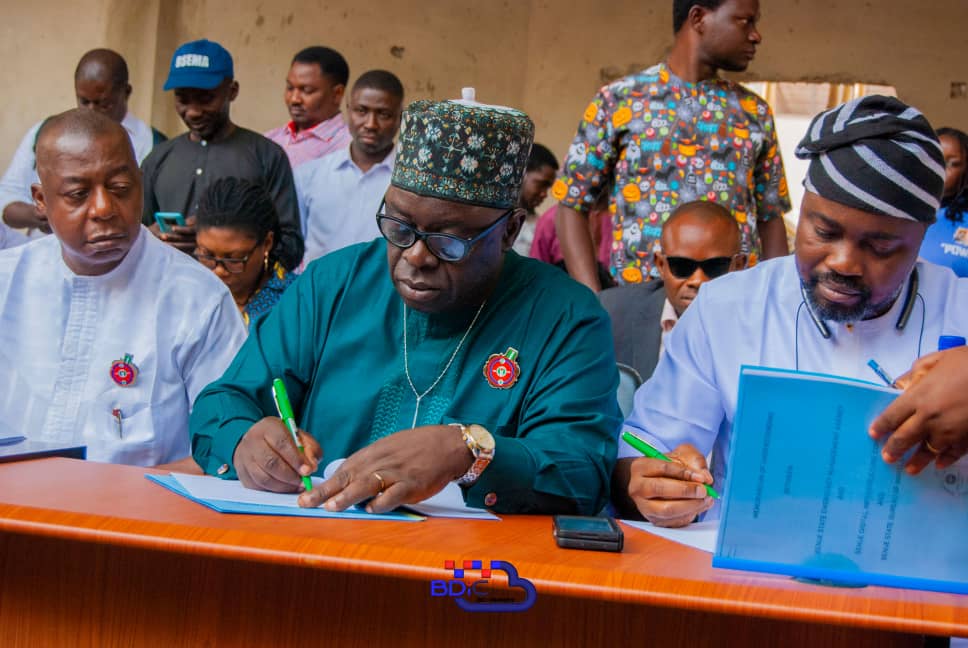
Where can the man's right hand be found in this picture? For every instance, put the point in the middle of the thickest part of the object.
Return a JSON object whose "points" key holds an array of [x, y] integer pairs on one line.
{"points": [[21, 215], [671, 494], [181, 237], [931, 414], [267, 459]]}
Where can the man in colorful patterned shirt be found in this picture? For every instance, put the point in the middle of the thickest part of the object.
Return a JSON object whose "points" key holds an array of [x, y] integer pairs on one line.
{"points": [[672, 134]]}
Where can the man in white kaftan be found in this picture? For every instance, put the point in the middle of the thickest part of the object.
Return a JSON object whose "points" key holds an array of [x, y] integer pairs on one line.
{"points": [[107, 335]]}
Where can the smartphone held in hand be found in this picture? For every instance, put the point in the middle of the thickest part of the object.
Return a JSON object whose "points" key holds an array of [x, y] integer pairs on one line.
{"points": [[166, 220]]}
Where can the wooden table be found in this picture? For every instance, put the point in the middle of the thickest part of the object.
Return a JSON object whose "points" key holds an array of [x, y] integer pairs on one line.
{"points": [[96, 555]]}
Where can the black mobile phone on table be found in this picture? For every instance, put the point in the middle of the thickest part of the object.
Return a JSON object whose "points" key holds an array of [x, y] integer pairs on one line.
{"points": [[583, 532]]}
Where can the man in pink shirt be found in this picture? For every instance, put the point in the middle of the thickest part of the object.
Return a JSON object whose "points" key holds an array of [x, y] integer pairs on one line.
{"points": [[546, 247], [314, 89]]}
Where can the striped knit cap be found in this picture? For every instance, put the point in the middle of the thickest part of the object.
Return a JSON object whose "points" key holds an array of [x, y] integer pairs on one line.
{"points": [[878, 155]]}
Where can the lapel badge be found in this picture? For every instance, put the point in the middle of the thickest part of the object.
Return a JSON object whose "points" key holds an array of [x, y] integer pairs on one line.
{"points": [[123, 371], [502, 369]]}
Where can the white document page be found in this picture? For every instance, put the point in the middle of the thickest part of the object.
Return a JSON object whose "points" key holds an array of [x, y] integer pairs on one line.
{"points": [[699, 535], [232, 490], [447, 503]]}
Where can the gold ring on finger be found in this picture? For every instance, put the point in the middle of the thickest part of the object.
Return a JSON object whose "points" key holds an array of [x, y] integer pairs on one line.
{"points": [[931, 448], [383, 484]]}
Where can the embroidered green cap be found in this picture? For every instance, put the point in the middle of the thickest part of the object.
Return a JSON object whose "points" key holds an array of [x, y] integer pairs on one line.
{"points": [[463, 151]]}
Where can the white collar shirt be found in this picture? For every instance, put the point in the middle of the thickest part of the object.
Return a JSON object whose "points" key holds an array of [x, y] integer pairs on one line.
{"points": [[61, 333], [10, 237], [758, 317], [338, 201], [142, 137], [667, 322], [522, 244]]}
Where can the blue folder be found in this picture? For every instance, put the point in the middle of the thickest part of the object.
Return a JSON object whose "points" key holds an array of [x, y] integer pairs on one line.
{"points": [[808, 494], [223, 506]]}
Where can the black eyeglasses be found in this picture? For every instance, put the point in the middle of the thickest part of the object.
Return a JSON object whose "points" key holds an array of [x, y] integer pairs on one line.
{"points": [[684, 267], [446, 247], [231, 265]]}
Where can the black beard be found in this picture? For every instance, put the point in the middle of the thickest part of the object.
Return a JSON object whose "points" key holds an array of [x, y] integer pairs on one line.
{"points": [[836, 312]]}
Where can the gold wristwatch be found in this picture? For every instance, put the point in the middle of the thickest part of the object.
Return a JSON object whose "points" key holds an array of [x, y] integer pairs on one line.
{"points": [[481, 444]]}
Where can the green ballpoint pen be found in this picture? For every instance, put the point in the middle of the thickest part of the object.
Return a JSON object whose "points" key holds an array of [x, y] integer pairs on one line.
{"points": [[285, 413], [652, 453]]}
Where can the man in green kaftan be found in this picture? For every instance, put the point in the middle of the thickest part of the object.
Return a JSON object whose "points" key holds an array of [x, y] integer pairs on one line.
{"points": [[435, 354]]}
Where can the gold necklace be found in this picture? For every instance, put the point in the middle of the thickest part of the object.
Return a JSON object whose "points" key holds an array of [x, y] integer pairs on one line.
{"points": [[406, 360]]}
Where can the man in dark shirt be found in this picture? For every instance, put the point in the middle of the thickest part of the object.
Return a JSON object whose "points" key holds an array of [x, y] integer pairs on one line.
{"points": [[177, 173]]}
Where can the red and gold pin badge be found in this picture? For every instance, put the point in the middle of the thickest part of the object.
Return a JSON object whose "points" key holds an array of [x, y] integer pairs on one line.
{"points": [[123, 371], [502, 369]]}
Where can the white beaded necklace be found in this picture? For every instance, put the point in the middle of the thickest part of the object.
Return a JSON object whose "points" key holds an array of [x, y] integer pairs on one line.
{"points": [[406, 360]]}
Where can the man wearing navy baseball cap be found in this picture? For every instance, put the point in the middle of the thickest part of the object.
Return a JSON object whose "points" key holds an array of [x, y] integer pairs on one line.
{"points": [[177, 173], [200, 64]]}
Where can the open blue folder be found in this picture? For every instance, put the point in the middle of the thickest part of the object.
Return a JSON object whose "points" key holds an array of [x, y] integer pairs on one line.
{"points": [[808, 494], [223, 506]]}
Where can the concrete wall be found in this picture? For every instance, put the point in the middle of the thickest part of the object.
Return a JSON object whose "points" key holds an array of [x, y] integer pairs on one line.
{"points": [[40, 43], [434, 47], [545, 56]]}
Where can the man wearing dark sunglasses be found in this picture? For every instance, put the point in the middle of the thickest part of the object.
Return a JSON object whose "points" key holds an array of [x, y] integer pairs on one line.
{"points": [[435, 354], [700, 242]]}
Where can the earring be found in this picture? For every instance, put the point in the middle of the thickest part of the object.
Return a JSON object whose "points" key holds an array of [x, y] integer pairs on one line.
{"points": [[265, 262]]}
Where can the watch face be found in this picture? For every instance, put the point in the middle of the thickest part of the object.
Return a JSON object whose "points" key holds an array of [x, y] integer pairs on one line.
{"points": [[480, 435]]}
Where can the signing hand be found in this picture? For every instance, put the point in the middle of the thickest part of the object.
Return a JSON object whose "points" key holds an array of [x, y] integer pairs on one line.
{"points": [[671, 494], [403, 468], [932, 413], [267, 459]]}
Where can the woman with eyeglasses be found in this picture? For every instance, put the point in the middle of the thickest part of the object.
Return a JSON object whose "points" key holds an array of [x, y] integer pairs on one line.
{"points": [[237, 234]]}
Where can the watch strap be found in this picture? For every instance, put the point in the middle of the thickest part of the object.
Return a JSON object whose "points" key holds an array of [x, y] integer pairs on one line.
{"points": [[481, 457]]}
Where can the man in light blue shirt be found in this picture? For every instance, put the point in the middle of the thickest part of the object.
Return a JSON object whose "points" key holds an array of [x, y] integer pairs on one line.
{"points": [[339, 194], [853, 290]]}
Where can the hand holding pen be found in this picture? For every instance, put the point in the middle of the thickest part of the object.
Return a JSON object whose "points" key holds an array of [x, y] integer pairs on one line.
{"points": [[930, 415], [281, 396], [277, 457], [669, 491]]}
